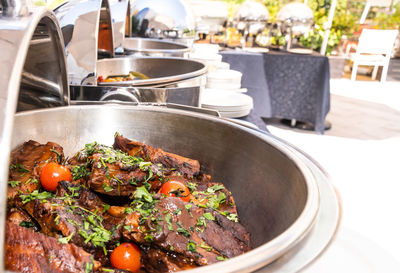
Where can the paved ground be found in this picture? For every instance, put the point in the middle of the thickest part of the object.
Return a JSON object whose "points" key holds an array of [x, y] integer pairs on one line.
{"points": [[362, 154]]}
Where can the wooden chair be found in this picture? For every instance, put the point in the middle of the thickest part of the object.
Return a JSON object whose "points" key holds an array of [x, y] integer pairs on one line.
{"points": [[374, 49]]}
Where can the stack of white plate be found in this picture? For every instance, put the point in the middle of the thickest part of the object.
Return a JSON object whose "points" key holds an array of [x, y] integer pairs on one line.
{"points": [[224, 79], [228, 104], [205, 48]]}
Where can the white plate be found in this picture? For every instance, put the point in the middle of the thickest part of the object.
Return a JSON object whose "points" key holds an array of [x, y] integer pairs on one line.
{"points": [[226, 101], [223, 85], [235, 114]]}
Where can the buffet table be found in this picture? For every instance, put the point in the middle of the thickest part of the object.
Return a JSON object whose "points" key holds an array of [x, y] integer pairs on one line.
{"points": [[285, 85]]}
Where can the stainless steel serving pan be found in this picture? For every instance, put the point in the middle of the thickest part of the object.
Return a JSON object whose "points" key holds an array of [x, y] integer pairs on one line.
{"points": [[154, 47], [283, 199], [33, 75], [161, 71]]}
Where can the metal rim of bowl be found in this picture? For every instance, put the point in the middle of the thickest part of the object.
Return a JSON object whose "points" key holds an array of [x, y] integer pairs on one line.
{"points": [[269, 251], [160, 80], [183, 50]]}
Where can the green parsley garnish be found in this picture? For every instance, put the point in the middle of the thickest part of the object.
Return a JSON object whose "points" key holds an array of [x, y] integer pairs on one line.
{"points": [[206, 247], [182, 230], [107, 188], [233, 217], [19, 168], [14, 183], [26, 224], [128, 228], [215, 188], [65, 240], [142, 193], [191, 246], [169, 222], [220, 258], [208, 216], [35, 195], [79, 172]]}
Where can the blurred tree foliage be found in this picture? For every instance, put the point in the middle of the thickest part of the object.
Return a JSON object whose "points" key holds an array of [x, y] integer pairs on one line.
{"points": [[345, 22], [387, 19]]}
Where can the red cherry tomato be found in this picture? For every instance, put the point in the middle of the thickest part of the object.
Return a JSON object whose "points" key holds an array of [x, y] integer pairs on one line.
{"points": [[126, 256], [176, 189], [52, 173]]}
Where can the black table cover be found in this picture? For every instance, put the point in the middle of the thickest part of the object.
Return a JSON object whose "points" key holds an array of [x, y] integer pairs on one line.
{"points": [[284, 85]]}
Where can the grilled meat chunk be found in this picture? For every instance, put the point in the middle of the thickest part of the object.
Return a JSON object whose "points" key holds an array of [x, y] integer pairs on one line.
{"points": [[187, 230], [186, 166], [29, 251], [26, 163]]}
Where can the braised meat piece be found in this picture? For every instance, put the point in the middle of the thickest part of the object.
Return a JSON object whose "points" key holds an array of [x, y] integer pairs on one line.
{"points": [[76, 215], [26, 163], [20, 218], [29, 251], [113, 172], [186, 166], [156, 260], [114, 179], [185, 229]]}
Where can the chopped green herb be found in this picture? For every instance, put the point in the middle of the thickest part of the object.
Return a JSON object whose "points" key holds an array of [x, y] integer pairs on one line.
{"points": [[201, 221], [128, 228], [106, 207], [144, 165], [169, 222], [188, 207], [102, 162], [171, 248], [19, 168], [208, 216], [142, 193], [79, 172], [133, 181], [191, 246], [107, 188], [128, 210], [26, 224], [57, 220], [220, 258], [233, 217], [206, 247], [149, 238], [215, 188], [14, 183], [89, 267], [35, 195], [59, 156], [192, 186], [182, 230], [65, 240], [178, 212], [107, 270]]}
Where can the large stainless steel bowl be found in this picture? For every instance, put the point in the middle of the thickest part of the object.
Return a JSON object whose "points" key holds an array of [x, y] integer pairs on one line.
{"points": [[154, 47], [161, 71], [283, 199]]}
